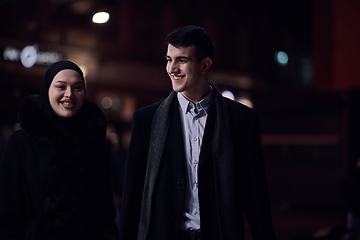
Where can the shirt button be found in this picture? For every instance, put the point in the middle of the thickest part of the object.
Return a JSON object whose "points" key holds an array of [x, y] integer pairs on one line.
{"points": [[195, 139], [179, 185], [174, 219], [196, 162], [197, 185]]}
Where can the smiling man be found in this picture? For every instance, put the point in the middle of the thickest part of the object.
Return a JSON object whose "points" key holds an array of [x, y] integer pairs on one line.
{"points": [[195, 163]]}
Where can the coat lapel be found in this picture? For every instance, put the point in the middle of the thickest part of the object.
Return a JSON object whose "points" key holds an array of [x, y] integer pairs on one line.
{"points": [[175, 141], [159, 131]]}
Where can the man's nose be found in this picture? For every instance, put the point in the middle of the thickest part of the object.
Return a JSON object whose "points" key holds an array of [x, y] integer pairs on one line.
{"points": [[173, 67]]}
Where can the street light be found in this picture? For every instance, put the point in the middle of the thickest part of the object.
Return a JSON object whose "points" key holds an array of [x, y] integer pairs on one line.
{"points": [[100, 17]]}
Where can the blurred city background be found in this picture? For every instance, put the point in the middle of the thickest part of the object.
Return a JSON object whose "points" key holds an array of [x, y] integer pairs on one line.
{"points": [[296, 62]]}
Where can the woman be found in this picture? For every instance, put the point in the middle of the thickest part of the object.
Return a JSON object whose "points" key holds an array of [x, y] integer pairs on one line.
{"points": [[54, 172]]}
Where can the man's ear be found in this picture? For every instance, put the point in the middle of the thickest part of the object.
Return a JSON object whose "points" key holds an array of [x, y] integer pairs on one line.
{"points": [[205, 65]]}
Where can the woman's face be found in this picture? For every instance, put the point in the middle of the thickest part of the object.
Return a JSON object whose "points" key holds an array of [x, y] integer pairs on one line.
{"points": [[66, 93]]}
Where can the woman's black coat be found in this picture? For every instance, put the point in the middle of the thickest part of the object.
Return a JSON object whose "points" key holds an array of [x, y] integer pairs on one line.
{"points": [[54, 177]]}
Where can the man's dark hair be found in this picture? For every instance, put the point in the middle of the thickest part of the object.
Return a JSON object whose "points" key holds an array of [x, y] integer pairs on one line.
{"points": [[193, 36]]}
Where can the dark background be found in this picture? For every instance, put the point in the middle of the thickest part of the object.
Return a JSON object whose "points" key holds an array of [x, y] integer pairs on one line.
{"points": [[308, 109]]}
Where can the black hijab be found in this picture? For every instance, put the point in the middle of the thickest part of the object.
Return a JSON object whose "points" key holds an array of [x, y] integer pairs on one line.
{"points": [[49, 75]]}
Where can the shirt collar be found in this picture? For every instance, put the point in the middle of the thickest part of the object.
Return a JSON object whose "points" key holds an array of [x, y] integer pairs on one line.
{"points": [[202, 104]]}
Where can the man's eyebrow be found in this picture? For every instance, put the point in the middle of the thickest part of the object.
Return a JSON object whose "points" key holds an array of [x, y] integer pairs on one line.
{"points": [[182, 57], [179, 57]]}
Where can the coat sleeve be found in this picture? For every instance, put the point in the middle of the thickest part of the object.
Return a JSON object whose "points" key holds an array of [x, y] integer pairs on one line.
{"points": [[257, 201], [12, 213], [134, 179]]}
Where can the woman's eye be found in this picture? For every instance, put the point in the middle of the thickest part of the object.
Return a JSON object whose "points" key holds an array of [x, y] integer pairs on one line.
{"points": [[61, 87]]}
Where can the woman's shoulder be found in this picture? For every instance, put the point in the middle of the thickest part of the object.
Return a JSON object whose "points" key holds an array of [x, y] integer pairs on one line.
{"points": [[18, 136], [16, 142]]}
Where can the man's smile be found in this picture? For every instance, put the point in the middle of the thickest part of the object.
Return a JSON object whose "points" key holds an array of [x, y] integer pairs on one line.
{"points": [[176, 77]]}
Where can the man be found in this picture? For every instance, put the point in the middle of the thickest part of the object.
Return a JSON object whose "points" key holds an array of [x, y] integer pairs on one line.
{"points": [[195, 164]]}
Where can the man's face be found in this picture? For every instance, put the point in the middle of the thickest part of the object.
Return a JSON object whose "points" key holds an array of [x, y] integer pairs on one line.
{"points": [[183, 68]]}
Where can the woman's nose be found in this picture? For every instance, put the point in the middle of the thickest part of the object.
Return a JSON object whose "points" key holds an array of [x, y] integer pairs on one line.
{"points": [[68, 92]]}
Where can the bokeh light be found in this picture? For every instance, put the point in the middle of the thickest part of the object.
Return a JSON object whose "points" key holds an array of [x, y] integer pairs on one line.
{"points": [[101, 17], [228, 94], [281, 58]]}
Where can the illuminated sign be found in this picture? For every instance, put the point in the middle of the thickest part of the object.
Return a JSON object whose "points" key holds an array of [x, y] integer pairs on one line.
{"points": [[30, 55]]}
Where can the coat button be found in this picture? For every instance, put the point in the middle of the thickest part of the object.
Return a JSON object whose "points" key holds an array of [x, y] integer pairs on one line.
{"points": [[179, 185], [174, 219]]}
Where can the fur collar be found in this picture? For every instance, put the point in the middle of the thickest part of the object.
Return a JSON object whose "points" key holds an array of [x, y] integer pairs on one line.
{"points": [[88, 125]]}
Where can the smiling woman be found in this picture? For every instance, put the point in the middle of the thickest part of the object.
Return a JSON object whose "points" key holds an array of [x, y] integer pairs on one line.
{"points": [[54, 171], [66, 93]]}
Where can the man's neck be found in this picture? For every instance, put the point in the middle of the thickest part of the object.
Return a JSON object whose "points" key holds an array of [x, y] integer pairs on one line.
{"points": [[198, 95]]}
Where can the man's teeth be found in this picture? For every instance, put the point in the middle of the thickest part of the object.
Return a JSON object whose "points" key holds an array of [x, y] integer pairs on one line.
{"points": [[176, 78]]}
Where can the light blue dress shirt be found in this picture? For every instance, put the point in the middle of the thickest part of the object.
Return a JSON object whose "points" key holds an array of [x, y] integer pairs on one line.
{"points": [[193, 126]]}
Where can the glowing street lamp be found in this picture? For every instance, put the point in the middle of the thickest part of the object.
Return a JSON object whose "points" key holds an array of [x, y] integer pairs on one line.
{"points": [[100, 17]]}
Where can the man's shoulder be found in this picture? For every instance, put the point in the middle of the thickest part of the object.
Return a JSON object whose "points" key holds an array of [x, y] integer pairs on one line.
{"points": [[239, 107], [148, 110]]}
